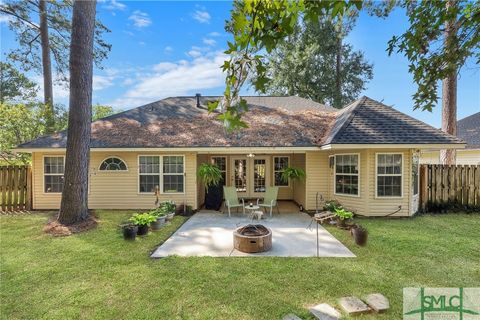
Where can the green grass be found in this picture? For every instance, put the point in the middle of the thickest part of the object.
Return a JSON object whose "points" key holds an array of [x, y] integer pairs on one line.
{"points": [[98, 275]]}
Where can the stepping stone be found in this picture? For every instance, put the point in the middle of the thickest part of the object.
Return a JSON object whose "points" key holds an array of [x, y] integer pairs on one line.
{"points": [[325, 311], [377, 302], [353, 305], [291, 316]]}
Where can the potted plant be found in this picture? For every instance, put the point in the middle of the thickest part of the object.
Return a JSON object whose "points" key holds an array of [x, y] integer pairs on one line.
{"points": [[211, 176], [342, 215], [129, 231], [360, 234], [332, 205], [292, 173], [142, 221], [159, 219], [168, 208]]}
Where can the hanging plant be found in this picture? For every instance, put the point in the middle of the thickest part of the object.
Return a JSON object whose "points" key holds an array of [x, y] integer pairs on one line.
{"points": [[293, 173], [210, 174]]}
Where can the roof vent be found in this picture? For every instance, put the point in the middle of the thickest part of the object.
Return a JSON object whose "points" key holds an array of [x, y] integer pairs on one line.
{"points": [[198, 95]]}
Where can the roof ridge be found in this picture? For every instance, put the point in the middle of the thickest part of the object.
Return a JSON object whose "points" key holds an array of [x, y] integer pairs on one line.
{"points": [[342, 123]]}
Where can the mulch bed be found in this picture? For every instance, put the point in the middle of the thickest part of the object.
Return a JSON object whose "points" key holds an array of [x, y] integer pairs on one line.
{"points": [[57, 229]]}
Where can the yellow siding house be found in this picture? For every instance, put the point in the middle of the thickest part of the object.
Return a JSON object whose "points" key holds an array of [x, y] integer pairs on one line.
{"points": [[365, 155]]}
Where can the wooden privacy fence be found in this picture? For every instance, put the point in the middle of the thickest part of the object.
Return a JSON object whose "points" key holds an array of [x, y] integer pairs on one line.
{"points": [[444, 186], [15, 188]]}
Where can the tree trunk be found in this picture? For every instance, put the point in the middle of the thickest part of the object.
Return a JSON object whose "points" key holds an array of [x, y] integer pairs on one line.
{"points": [[449, 91], [337, 103], [47, 68], [74, 205]]}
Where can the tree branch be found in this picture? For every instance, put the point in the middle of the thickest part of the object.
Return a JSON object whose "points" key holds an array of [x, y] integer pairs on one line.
{"points": [[4, 10]]}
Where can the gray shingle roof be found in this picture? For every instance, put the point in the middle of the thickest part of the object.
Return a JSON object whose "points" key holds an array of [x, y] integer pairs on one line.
{"points": [[468, 129], [178, 122], [367, 121], [273, 122]]}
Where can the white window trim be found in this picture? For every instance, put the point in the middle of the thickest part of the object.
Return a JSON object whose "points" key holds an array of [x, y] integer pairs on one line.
{"points": [[51, 174], [160, 174], [101, 162], [393, 175], [273, 167], [335, 175], [172, 174]]}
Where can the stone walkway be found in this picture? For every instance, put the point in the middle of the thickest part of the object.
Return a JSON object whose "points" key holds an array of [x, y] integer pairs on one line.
{"points": [[210, 233]]}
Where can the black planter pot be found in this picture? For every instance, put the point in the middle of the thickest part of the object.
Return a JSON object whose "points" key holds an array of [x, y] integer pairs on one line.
{"points": [[130, 232], [214, 197], [360, 235], [142, 230]]}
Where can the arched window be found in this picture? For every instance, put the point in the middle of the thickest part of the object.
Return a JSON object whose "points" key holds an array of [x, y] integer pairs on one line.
{"points": [[113, 164]]}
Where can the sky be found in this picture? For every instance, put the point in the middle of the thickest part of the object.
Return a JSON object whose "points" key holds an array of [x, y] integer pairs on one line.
{"points": [[162, 49]]}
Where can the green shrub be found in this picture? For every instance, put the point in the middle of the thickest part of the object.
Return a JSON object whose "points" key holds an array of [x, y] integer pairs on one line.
{"points": [[332, 205], [167, 207], [142, 219], [343, 214]]}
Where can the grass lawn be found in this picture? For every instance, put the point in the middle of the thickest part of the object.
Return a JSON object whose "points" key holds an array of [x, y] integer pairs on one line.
{"points": [[99, 275]]}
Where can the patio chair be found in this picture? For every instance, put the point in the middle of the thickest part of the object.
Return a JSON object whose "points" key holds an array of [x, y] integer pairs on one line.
{"points": [[270, 200], [231, 199]]}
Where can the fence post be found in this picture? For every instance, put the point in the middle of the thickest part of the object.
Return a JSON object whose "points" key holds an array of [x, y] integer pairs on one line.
{"points": [[423, 187], [3, 185], [477, 186], [29, 181]]}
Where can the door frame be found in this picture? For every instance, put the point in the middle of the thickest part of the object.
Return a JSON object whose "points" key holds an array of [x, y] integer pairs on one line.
{"points": [[250, 174], [233, 172]]}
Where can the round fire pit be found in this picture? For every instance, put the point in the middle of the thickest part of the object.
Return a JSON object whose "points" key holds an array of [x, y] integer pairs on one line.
{"points": [[252, 238]]}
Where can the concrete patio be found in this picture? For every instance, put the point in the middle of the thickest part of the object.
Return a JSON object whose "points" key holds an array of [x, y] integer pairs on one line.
{"points": [[209, 233]]}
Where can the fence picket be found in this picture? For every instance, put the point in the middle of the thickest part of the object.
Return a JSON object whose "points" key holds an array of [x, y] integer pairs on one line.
{"points": [[21, 191], [446, 184], [3, 187], [15, 188]]}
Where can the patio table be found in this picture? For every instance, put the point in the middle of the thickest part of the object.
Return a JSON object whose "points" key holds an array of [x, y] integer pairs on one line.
{"points": [[253, 211]]}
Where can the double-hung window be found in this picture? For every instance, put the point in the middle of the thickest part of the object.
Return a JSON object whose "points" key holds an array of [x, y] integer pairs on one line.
{"points": [[53, 169], [166, 171], [149, 171], [173, 174], [280, 164], [389, 175], [346, 174]]}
